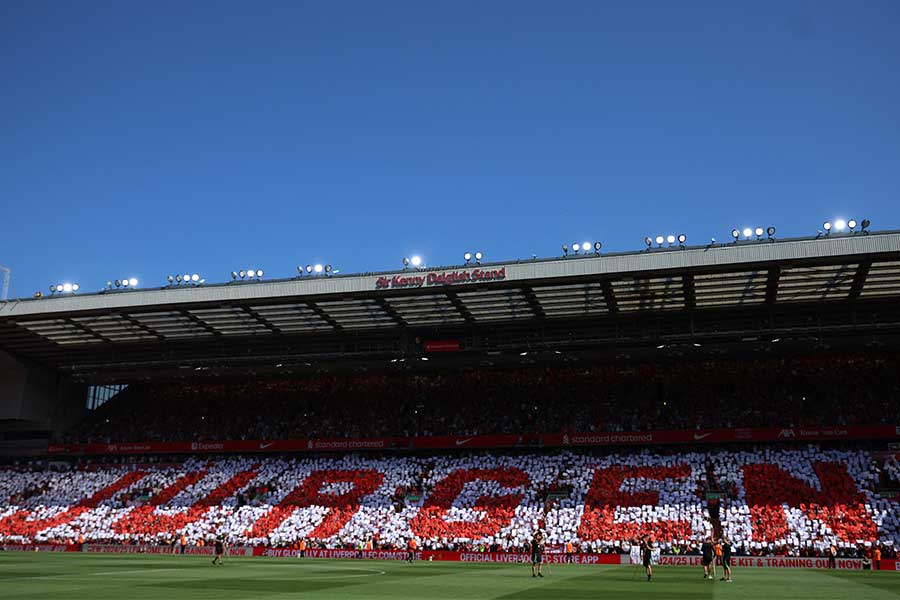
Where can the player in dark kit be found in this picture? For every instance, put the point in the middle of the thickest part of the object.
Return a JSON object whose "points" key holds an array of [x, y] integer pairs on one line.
{"points": [[726, 561], [220, 551], [647, 557], [706, 550], [537, 554]]}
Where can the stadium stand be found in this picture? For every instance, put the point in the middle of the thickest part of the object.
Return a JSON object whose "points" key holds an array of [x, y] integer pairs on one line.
{"points": [[780, 501], [749, 389], [679, 395]]}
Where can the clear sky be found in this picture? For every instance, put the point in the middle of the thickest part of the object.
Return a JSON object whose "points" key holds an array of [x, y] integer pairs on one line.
{"points": [[142, 138]]}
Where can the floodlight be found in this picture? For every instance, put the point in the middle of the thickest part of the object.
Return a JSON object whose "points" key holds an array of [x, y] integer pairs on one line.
{"points": [[59, 287], [758, 231], [328, 268], [133, 282], [186, 277], [851, 224], [597, 246], [839, 224], [318, 268], [118, 283], [648, 241], [467, 256], [124, 283], [585, 246], [576, 248], [682, 238], [565, 248], [109, 284], [416, 261], [75, 287], [52, 288], [405, 262], [748, 232], [67, 287], [670, 239], [195, 278], [826, 226], [169, 278], [735, 234], [659, 240], [177, 278], [865, 224], [259, 272], [478, 256], [770, 231], [242, 273], [309, 268], [234, 274]]}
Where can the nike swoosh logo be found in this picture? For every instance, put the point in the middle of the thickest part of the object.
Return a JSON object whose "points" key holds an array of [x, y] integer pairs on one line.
{"points": [[264, 446], [700, 436], [461, 442]]}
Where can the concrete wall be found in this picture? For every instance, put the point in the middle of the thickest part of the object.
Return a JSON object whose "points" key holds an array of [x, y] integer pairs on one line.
{"points": [[32, 397]]}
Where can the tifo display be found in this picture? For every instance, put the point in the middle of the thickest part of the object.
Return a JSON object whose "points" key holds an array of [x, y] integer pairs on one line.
{"points": [[802, 502]]}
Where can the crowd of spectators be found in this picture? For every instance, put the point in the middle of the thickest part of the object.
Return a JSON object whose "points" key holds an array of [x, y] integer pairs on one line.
{"points": [[837, 391], [801, 501]]}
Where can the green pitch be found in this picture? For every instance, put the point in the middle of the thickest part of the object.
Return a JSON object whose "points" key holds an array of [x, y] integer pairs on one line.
{"points": [[136, 577]]}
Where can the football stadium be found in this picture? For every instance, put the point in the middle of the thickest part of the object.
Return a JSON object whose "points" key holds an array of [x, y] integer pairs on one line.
{"points": [[681, 421]]}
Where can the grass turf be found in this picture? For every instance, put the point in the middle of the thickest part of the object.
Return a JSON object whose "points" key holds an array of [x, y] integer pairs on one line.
{"points": [[135, 577]]}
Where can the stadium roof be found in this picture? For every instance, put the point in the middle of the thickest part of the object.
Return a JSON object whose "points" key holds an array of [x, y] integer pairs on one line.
{"points": [[657, 294]]}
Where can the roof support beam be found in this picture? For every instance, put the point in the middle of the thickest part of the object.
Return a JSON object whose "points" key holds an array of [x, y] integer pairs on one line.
{"points": [[324, 315], [200, 322], [260, 319], [859, 279], [610, 296], [533, 302], [137, 324], [690, 299], [390, 311], [84, 329], [772, 284], [455, 301]]}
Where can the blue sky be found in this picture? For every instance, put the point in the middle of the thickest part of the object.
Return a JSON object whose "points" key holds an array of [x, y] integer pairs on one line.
{"points": [[140, 139]]}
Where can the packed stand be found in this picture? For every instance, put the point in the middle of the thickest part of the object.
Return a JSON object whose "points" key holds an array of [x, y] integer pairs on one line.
{"points": [[682, 395], [777, 501]]}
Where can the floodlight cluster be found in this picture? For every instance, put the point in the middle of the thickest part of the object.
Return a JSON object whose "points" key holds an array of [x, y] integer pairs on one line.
{"points": [[247, 274], [185, 279]]}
